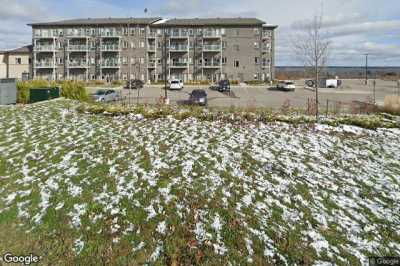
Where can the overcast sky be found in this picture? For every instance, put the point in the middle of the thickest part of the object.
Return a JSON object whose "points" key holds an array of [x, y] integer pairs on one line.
{"points": [[355, 27]]}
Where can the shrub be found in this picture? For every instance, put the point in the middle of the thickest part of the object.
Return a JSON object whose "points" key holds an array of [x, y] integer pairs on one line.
{"points": [[23, 88], [118, 82], [74, 90], [255, 82], [392, 104]]}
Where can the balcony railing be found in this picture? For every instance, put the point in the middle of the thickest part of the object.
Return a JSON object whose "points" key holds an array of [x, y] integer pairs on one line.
{"points": [[152, 63], [44, 64], [178, 64], [45, 35], [110, 64], [77, 47], [151, 47], [211, 64], [111, 34], [211, 47], [76, 34], [178, 47], [211, 34], [110, 47], [151, 34], [179, 34], [78, 64], [42, 48]]}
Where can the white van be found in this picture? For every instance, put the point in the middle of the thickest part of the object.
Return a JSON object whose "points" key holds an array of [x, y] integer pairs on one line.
{"points": [[176, 84]]}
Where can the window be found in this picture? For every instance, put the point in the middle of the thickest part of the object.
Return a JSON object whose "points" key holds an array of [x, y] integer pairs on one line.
{"points": [[133, 32], [223, 44], [222, 31], [141, 44], [126, 31], [256, 45], [236, 63], [237, 32], [125, 44], [256, 31], [132, 60], [142, 31], [236, 47], [223, 60], [256, 60], [30, 60], [18, 61], [124, 60], [256, 76]]}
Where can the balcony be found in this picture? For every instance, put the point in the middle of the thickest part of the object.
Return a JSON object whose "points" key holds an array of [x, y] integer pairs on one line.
{"points": [[212, 47], [44, 48], [152, 64], [78, 48], [151, 48], [76, 35], [178, 65], [78, 64], [211, 35], [44, 64], [110, 64], [211, 65], [45, 35], [178, 35], [151, 35], [110, 48], [110, 34], [178, 48], [265, 49]]}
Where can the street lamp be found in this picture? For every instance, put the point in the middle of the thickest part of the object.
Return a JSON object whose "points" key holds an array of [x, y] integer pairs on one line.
{"points": [[165, 67], [366, 69]]}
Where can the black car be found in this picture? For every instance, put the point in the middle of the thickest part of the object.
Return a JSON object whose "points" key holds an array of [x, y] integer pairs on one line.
{"points": [[198, 97], [134, 84], [224, 85]]}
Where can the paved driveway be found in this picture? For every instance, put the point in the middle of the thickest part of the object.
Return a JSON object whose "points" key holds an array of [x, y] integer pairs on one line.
{"points": [[265, 96]]}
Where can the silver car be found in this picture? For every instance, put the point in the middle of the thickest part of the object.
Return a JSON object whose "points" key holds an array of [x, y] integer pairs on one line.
{"points": [[106, 96]]}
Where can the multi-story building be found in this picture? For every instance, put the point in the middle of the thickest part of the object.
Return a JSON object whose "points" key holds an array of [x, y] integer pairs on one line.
{"points": [[16, 63], [152, 48]]}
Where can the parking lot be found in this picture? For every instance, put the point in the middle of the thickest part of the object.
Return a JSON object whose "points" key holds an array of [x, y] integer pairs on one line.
{"points": [[266, 96]]}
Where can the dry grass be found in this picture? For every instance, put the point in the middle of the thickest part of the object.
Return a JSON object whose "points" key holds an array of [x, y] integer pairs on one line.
{"points": [[392, 104]]}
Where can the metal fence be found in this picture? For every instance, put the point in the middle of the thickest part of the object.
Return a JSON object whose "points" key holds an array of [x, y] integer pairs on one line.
{"points": [[333, 107]]}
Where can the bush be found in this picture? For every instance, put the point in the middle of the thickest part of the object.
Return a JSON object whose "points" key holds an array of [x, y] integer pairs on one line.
{"points": [[118, 82], [255, 82], [69, 89], [95, 83], [392, 104], [23, 88], [74, 90]]}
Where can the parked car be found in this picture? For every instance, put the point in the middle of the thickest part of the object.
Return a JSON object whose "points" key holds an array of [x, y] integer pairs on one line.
{"points": [[224, 85], [198, 97], [106, 96], [134, 84], [286, 86], [176, 84]]}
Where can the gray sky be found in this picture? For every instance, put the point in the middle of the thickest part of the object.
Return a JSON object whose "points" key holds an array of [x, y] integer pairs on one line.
{"points": [[355, 27]]}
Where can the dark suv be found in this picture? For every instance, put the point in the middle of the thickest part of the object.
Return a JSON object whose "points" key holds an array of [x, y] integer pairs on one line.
{"points": [[134, 84], [198, 97], [224, 85]]}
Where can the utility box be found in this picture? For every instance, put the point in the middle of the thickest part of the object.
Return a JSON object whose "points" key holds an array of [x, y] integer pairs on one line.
{"points": [[43, 94], [8, 91]]}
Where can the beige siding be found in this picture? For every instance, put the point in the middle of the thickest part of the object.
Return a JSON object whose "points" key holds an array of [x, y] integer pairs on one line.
{"points": [[3, 66]]}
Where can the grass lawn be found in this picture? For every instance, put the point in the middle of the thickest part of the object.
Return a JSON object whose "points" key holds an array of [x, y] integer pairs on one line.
{"points": [[89, 189]]}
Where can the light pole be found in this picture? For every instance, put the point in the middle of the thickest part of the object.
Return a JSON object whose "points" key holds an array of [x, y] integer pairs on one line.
{"points": [[366, 69], [165, 67]]}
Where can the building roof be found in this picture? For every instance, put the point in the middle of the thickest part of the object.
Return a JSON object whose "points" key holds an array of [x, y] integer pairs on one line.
{"points": [[212, 22], [96, 21], [19, 50]]}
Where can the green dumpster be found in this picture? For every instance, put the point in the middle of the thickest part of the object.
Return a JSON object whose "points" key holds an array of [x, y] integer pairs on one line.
{"points": [[43, 94]]}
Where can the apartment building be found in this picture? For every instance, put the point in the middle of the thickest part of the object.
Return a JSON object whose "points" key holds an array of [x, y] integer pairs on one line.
{"points": [[16, 63], [141, 48]]}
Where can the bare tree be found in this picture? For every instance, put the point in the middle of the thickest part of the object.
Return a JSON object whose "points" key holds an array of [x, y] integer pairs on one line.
{"points": [[311, 47]]}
